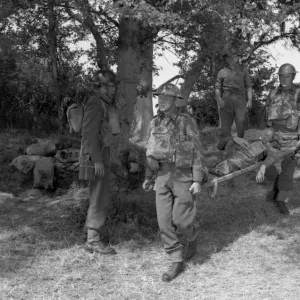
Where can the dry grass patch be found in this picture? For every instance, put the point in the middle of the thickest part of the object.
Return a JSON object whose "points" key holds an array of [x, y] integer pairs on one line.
{"points": [[247, 251]]}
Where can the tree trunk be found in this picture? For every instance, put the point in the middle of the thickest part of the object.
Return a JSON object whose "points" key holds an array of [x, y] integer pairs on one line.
{"points": [[192, 77], [143, 111], [52, 34], [128, 74]]}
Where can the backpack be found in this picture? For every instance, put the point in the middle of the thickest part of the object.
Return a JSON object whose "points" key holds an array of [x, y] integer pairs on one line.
{"points": [[75, 116], [110, 122]]}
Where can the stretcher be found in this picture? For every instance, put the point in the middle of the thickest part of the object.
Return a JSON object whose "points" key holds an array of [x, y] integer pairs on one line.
{"points": [[212, 186]]}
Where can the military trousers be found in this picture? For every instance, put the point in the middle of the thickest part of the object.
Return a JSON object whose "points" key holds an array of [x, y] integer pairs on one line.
{"points": [[235, 110], [176, 209], [99, 199], [283, 181]]}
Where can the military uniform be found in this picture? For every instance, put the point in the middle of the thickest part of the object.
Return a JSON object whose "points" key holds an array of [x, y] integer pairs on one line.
{"points": [[233, 84], [239, 156], [93, 150], [174, 155], [283, 107]]}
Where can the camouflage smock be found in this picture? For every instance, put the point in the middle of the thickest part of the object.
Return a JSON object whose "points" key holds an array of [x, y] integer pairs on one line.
{"points": [[174, 139], [283, 108]]}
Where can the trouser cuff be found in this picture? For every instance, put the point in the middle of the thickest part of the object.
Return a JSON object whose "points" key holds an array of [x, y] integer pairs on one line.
{"points": [[176, 256]]}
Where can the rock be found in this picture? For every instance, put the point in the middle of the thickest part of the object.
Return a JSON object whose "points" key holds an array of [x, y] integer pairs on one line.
{"points": [[42, 148], [44, 173], [31, 193], [297, 173], [67, 155], [134, 167], [25, 163]]}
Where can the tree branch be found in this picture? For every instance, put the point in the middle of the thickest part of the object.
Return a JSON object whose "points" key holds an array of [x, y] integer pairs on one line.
{"points": [[102, 12], [170, 80], [87, 20]]}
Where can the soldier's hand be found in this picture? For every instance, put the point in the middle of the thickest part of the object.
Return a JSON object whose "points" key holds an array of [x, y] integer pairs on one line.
{"points": [[148, 185], [240, 141], [249, 104], [260, 176], [195, 188], [220, 102], [99, 169]]}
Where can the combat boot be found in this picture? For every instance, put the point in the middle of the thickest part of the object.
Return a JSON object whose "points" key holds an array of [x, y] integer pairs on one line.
{"points": [[94, 243], [175, 269], [282, 208], [192, 249]]}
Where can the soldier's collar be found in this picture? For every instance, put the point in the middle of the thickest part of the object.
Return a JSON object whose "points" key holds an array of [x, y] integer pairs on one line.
{"points": [[173, 116], [292, 88]]}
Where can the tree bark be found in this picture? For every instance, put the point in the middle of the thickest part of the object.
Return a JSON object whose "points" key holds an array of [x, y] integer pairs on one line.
{"points": [[143, 111], [128, 74], [52, 35]]}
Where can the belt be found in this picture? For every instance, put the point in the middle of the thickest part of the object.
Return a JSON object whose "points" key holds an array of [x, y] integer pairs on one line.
{"points": [[236, 92]]}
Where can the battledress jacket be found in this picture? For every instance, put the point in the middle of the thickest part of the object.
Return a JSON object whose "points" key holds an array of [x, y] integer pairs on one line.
{"points": [[175, 139], [283, 110], [92, 143]]}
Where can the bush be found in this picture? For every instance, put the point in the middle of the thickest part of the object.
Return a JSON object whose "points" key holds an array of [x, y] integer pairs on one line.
{"points": [[205, 109]]}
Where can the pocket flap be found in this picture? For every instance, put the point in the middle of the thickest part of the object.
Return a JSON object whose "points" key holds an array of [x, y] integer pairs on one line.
{"points": [[185, 146]]}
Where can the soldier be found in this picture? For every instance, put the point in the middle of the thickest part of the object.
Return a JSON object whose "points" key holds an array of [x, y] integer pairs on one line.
{"points": [[243, 152], [174, 155], [283, 109], [95, 160], [232, 83]]}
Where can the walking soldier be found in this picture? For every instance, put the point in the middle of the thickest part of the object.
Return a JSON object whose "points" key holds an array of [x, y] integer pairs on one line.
{"points": [[174, 155]]}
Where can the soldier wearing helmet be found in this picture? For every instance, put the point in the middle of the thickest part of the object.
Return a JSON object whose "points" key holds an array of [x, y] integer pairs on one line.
{"points": [[233, 86], [95, 160], [174, 155], [282, 114]]}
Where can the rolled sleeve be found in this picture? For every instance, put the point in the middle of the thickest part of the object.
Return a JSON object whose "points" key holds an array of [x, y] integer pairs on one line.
{"points": [[91, 123], [219, 81]]}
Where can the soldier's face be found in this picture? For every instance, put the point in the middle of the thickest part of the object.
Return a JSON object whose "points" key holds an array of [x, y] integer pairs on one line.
{"points": [[166, 103], [233, 59], [109, 89], [286, 80]]}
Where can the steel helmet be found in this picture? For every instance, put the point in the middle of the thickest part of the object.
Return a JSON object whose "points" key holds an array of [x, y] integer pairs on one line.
{"points": [[287, 69], [168, 89]]}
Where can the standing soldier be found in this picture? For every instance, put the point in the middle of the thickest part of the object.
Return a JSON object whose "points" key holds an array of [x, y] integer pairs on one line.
{"points": [[283, 110], [95, 160], [232, 83], [174, 155]]}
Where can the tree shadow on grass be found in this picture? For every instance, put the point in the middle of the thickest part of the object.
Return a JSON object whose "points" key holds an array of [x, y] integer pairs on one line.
{"points": [[31, 227], [239, 207]]}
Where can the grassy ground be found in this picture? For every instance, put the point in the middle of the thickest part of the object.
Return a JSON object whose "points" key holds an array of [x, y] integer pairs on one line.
{"points": [[246, 249]]}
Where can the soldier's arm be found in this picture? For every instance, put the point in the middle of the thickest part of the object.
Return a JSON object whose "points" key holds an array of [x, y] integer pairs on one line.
{"points": [[193, 136], [91, 127], [218, 86], [248, 85]]}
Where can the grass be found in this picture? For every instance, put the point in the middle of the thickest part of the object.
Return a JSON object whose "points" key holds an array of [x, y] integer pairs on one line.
{"points": [[246, 249]]}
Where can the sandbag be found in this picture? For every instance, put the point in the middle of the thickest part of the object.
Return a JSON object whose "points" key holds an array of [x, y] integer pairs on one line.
{"points": [[42, 148], [25, 163], [44, 173], [67, 155]]}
